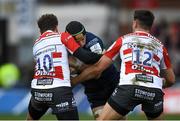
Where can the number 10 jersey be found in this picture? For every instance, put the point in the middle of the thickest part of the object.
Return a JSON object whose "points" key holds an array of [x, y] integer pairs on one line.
{"points": [[51, 57]]}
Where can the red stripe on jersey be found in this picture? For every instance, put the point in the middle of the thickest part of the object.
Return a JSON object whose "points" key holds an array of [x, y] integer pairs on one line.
{"points": [[127, 51], [59, 72], [155, 71], [69, 42], [166, 58], [114, 49], [57, 54], [128, 69], [156, 58]]}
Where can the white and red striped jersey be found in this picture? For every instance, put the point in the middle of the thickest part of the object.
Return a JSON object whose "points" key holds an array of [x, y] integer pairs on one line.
{"points": [[140, 53], [51, 57]]}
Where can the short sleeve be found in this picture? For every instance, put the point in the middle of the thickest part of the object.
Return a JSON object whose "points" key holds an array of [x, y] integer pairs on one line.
{"points": [[165, 62], [113, 50], [69, 42]]}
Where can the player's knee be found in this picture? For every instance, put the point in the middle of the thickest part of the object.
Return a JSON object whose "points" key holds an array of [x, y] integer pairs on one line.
{"points": [[97, 111], [29, 117]]}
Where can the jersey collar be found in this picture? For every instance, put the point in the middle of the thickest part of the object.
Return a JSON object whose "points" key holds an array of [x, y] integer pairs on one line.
{"points": [[141, 32]]}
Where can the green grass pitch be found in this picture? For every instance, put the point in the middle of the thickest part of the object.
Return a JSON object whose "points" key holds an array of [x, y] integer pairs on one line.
{"points": [[87, 117]]}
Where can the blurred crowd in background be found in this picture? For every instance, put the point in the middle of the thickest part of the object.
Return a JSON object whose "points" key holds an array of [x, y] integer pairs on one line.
{"points": [[108, 19], [169, 34]]}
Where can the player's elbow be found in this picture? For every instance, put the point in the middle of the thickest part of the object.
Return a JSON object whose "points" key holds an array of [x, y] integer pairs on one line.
{"points": [[168, 83], [171, 82], [169, 76], [170, 79]]}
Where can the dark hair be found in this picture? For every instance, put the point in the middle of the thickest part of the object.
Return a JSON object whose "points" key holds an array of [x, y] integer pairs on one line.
{"points": [[74, 28], [47, 22], [145, 17]]}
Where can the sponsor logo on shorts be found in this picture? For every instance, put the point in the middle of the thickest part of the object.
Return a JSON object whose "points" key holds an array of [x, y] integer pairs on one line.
{"points": [[43, 96], [63, 104], [67, 105], [158, 104], [73, 102], [144, 94], [115, 92]]}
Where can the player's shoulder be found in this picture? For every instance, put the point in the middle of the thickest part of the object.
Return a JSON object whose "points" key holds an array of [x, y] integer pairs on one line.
{"points": [[90, 36], [65, 34], [46, 35], [91, 39], [128, 35], [143, 34], [49, 33], [156, 39]]}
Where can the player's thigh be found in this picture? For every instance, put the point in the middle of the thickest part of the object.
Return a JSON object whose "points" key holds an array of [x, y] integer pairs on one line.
{"points": [[120, 103], [64, 106], [123, 100], [108, 113], [99, 98], [36, 109]]}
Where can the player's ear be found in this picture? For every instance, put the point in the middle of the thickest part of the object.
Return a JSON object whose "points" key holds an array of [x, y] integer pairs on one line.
{"points": [[56, 29], [134, 25]]}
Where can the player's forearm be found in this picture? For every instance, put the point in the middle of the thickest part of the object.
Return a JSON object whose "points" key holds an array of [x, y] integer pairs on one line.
{"points": [[87, 74], [169, 77]]}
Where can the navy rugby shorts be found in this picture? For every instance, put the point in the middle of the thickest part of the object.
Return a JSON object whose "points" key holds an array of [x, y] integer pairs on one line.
{"points": [[60, 100], [126, 97], [98, 97]]}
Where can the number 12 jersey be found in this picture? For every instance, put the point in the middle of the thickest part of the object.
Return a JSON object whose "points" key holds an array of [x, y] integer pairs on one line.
{"points": [[143, 56]]}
